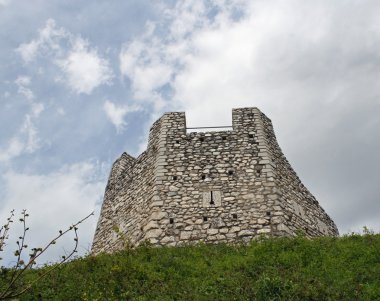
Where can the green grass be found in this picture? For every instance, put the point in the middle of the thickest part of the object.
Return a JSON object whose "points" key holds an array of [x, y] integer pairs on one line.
{"points": [[346, 268]]}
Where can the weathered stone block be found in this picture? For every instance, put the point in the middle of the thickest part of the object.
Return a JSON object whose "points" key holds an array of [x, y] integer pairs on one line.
{"points": [[151, 225], [155, 233], [212, 231], [185, 235], [263, 231]]}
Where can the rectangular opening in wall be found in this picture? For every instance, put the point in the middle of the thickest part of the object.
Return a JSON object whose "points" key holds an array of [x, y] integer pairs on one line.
{"points": [[212, 202], [203, 121], [212, 198], [204, 129], [195, 123]]}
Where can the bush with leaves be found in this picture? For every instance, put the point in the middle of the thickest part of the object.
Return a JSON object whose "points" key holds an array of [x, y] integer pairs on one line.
{"points": [[12, 279]]}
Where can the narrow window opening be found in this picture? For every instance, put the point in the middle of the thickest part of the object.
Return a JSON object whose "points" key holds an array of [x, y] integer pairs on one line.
{"points": [[224, 138], [251, 136], [268, 213], [175, 178], [201, 139], [205, 218], [171, 220], [250, 114], [203, 177], [177, 141], [230, 172], [212, 202], [234, 216], [211, 199]]}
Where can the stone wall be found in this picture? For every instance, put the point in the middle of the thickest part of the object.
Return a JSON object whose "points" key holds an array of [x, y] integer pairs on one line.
{"points": [[206, 186]]}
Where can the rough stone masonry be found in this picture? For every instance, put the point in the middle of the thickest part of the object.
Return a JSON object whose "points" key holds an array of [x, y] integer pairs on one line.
{"points": [[223, 186]]}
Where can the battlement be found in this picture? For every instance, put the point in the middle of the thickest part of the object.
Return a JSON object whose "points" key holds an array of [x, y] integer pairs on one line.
{"points": [[217, 186]]}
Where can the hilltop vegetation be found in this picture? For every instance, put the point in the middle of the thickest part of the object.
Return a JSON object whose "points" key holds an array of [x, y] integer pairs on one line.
{"points": [[346, 268]]}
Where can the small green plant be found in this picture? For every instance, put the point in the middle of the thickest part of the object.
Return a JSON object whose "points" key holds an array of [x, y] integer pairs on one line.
{"points": [[300, 233], [125, 241], [367, 231]]}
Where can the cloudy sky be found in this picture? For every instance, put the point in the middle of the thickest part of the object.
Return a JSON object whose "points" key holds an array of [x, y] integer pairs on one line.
{"points": [[82, 81]]}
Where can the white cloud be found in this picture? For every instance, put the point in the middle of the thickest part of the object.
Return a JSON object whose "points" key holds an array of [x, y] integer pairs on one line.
{"points": [[146, 77], [23, 80], [28, 51], [32, 141], [26, 139], [4, 2], [37, 109], [48, 42], [310, 66], [55, 201], [84, 70], [14, 149], [116, 114], [153, 61], [22, 83], [212, 60]]}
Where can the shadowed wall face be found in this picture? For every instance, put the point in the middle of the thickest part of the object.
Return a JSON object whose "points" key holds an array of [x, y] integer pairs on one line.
{"points": [[212, 186]]}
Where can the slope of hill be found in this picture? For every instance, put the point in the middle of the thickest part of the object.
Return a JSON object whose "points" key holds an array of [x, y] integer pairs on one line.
{"points": [[345, 268]]}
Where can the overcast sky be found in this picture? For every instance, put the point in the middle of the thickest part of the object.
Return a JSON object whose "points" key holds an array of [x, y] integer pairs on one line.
{"points": [[82, 81]]}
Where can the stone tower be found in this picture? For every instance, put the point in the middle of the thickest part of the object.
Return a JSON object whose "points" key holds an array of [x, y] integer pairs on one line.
{"points": [[220, 186]]}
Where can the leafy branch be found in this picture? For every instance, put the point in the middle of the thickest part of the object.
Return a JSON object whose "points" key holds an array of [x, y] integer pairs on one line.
{"points": [[14, 286], [4, 231]]}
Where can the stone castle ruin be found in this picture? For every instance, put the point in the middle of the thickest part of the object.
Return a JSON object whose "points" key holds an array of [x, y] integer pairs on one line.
{"points": [[219, 186]]}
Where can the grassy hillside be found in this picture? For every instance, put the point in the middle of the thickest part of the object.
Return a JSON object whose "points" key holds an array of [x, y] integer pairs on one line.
{"points": [[346, 268]]}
